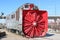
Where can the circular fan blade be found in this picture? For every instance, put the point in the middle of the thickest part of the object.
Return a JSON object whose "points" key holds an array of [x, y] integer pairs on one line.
{"points": [[34, 25]]}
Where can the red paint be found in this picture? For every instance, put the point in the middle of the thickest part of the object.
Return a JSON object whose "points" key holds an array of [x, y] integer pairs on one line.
{"points": [[31, 6], [35, 23]]}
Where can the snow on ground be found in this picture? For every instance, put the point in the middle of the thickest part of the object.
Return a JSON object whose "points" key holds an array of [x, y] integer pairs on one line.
{"points": [[11, 36]]}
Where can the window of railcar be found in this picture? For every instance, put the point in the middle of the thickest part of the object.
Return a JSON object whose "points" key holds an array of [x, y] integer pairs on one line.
{"points": [[13, 16], [35, 8], [26, 6]]}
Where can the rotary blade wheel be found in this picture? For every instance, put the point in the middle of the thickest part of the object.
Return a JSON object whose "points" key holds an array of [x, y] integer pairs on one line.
{"points": [[34, 24]]}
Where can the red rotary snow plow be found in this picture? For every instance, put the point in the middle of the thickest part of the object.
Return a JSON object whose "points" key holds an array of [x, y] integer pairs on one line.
{"points": [[35, 23], [29, 20]]}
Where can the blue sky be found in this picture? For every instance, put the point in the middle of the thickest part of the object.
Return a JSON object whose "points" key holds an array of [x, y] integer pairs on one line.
{"points": [[8, 6]]}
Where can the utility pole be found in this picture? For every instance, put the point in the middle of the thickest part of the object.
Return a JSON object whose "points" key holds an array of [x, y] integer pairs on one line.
{"points": [[55, 18], [2, 16], [2, 13]]}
